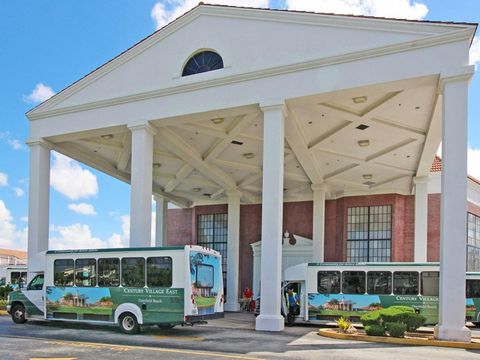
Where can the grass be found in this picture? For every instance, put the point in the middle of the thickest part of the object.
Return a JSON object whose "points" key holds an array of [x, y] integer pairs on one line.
{"points": [[205, 301], [341, 313], [79, 310]]}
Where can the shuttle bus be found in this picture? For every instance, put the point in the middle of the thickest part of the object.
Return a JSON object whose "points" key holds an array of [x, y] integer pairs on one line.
{"points": [[331, 290], [164, 286], [14, 275]]}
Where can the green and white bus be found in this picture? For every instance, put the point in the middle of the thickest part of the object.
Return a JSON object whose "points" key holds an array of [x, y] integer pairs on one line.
{"points": [[331, 290], [164, 286], [13, 276]]}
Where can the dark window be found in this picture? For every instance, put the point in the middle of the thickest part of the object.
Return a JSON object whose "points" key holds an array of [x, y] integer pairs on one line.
{"points": [[212, 232], [353, 282], [473, 289], [14, 276], [430, 282], [202, 62], [205, 276], [109, 272], [85, 274], [473, 242], [369, 233], [63, 272], [405, 283], [328, 282], [159, 271], [133, 272], [379, 282], [36, 283]]}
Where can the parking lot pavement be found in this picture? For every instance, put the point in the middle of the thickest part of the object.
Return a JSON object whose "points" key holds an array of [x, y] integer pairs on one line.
{"points": [[230, 338]]}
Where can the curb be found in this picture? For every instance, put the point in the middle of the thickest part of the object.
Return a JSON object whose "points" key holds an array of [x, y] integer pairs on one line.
{"points": [[402, 341]]}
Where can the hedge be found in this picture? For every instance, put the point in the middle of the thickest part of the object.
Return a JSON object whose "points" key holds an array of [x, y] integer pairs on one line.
{"points": [[375, 330], [396, 329]]}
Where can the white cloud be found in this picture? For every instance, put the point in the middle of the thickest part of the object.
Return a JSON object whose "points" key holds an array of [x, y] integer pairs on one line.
{"points": [[400, 9], [82, 209], [3, 179], [166, 11], [70, 179], [41, 93], [475, 51], [18, 192], [75, 236], [123, 239], [474, 162], [10, 237], [15, 144], [24, 219]]}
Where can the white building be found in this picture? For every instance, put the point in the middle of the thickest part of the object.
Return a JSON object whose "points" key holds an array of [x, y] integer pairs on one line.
{"points": [[250, 106]]}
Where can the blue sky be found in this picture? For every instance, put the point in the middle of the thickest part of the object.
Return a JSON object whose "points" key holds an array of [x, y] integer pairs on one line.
{"points": [[48, 45]]}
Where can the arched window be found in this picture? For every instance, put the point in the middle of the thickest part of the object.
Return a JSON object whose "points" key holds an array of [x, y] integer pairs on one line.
{"points": [[202, 62]]}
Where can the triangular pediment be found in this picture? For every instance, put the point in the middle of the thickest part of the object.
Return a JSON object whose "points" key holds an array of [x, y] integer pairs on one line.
{"points": [[250, 41]]}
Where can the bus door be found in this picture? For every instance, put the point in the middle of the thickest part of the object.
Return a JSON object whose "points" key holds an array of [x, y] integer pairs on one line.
{"points": [[35, 294], [299, 288]]}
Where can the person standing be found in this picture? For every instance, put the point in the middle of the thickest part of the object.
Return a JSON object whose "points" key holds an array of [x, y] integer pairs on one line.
{"points": [[293, 302]]}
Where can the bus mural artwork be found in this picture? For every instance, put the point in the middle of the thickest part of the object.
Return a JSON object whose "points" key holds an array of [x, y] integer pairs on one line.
{"points": [[205, 289], [332, 290], [163, 286]]}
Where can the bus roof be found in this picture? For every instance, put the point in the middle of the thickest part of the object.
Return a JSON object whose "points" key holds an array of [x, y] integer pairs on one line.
{"points": [[373, 264], [82, 251]]}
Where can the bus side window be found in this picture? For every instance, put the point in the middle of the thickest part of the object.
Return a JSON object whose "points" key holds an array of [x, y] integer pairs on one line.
{"points": [[430, 283], [133, 272], [473, 289], [63, 272], [328, 282], [353, 282], [85, 272], [109, 272], [14, 276], [405, 283], [159, 271], [379, 282]]}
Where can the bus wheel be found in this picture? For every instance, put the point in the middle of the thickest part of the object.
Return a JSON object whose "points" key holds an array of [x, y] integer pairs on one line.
{"points": [[128, 323], [166, 326], [18, 314], [476, 324]]}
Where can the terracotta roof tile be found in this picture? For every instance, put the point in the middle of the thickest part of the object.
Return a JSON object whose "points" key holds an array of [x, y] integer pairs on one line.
{"points": [[17, 253], [437, 164]]}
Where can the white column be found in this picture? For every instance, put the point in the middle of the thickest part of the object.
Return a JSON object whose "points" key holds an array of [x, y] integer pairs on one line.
{"points": [[233, 249], [141, 185], [453, 232], [270, 318], [421, 219], [38, 204], [318, 251], [161, 221]]}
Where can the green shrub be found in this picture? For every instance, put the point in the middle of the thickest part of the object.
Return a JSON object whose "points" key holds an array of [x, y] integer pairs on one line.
{"points": [[371, 318], [396, 329], [395, 313], [3, 303], [375, 330], [4, 290], [413, 321]]}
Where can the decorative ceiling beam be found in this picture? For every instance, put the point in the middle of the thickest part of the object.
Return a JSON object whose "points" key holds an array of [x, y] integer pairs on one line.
{"points": [[125, 153], [183, 173], [240, 123], [296, 141], [191, 156]]}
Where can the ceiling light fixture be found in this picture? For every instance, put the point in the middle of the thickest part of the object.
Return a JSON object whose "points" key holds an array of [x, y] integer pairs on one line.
{"points": [[218, 121], [363, 143], [248, 156], [107, 136], [362, 127], [359, 99], [367, 176], [197, 189], [156, 165]]}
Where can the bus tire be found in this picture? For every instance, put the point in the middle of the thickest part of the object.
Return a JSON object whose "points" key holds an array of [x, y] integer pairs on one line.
{"points": [[128, 323], [18, 314], [166, 326], [476, 323]]}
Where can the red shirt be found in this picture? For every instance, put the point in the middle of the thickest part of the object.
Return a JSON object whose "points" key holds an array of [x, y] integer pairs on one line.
{"points": [[248, 293]]}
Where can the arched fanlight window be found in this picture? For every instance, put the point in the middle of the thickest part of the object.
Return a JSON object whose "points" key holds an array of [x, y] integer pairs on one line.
{"points": [[202, 62]]}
